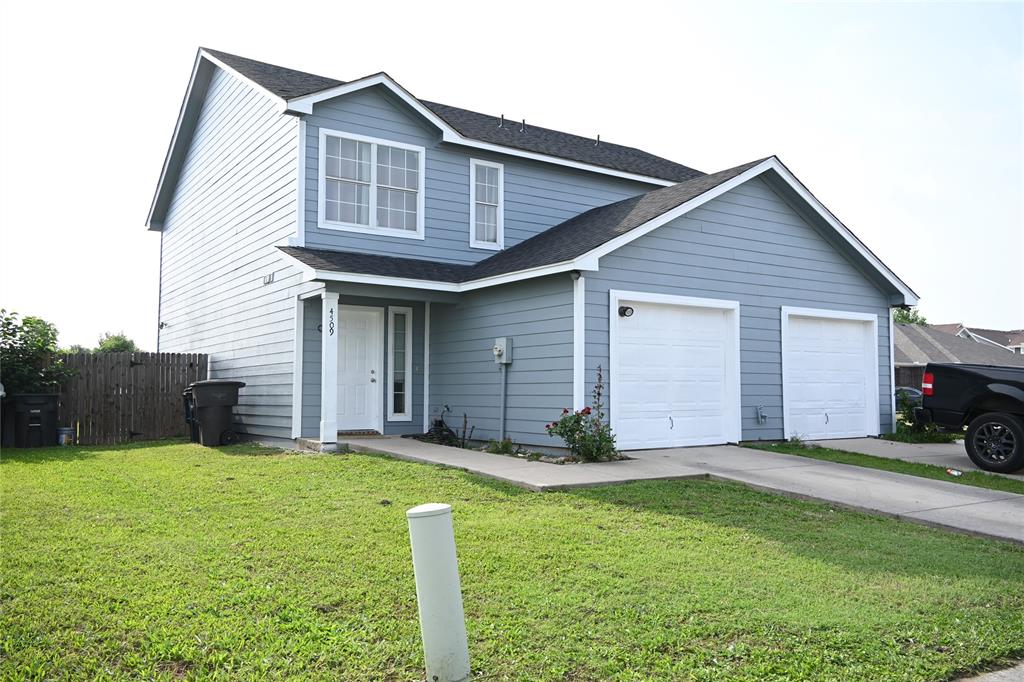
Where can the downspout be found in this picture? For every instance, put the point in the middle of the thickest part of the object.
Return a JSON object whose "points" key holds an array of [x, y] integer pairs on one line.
{"points": [[503, 368], [160, 293]]}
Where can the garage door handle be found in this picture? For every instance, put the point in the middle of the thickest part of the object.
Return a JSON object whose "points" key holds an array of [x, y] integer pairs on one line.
{"points": [[671, 424]]}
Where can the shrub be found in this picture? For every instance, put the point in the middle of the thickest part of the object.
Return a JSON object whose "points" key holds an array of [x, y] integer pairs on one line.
{"points": [[909, 431], [585, 432], [28, 355], [501, 447]]}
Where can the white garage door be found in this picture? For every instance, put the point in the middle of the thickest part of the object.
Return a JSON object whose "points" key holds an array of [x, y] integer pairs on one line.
{"points": [[830, 375], [675, 375]]}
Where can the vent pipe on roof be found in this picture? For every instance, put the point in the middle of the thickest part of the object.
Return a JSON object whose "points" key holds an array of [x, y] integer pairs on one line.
{"points": [[523, 129], [501, 122], [598, 141]]}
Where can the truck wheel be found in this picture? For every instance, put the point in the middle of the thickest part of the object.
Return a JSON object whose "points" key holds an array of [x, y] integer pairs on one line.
{"points": [[995, 442]]}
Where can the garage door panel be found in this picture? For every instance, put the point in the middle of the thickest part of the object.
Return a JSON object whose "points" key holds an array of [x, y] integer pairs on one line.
{"points": [[829, 376], [669, 385]]}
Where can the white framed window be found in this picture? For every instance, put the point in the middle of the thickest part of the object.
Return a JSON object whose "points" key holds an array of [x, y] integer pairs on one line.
{"points": [[399, 364], [370, 185], [486, 205]]}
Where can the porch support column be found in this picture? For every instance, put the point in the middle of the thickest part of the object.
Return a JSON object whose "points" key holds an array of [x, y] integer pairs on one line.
{"points": [[329, 369]]}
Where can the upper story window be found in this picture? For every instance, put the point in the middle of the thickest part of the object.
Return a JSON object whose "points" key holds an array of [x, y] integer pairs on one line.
{"points": [[370, 185], [486, 204]]}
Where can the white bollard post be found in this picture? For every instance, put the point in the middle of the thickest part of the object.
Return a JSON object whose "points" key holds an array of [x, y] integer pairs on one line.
{"points": [[438, 593]]}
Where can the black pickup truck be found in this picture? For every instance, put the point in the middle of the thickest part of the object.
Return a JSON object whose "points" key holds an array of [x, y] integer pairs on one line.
{"points": [[988, 400]]}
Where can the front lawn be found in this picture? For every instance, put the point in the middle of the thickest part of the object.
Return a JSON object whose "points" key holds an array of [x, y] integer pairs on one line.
{"points": [[978, 479], [172, 560]]}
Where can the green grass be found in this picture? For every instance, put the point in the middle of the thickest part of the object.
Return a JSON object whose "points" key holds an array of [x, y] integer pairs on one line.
{"points": [[171, 560], [978, 479]]}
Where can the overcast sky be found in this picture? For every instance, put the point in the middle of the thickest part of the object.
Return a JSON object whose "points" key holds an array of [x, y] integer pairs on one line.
{"points": [[905, 119]]}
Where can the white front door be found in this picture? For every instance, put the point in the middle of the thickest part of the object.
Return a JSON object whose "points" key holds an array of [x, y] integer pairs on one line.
{"points": [[675, 375], [360, 368], [830, 377]]}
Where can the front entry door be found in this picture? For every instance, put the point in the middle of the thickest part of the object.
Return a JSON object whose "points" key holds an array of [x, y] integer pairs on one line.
{"points": [[360, 368]]}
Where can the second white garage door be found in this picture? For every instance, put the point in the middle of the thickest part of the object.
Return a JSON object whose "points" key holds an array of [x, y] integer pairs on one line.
{"points": [[675, 371], [830, 380]]}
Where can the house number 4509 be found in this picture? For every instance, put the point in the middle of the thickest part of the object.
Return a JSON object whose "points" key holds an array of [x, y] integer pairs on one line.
{"points": [[330, 322]]}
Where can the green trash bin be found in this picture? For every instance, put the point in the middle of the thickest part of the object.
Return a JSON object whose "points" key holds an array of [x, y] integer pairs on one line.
{"points": [[213, 400]]}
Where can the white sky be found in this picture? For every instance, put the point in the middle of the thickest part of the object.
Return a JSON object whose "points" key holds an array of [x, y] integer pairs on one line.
{"points": [[905, 119]]}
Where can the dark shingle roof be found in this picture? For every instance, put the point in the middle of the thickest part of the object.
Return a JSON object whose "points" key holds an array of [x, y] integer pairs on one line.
{"points": [[384, 266], [280, 80], [919, 344], [563, 242], [288, 83]]}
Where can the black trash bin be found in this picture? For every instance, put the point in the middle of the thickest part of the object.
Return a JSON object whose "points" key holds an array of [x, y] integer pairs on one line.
{"points": [[35, 420], [212, 401]]}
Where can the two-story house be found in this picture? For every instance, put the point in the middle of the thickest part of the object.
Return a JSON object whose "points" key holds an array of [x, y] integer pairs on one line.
{"points": [[353, 253]]}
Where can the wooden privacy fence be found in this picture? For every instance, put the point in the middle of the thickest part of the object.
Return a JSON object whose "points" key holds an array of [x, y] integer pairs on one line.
{"points": [[119, 397]]}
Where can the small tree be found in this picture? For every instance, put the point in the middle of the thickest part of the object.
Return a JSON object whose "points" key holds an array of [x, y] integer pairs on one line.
{"points": [[909, 316], [116, 343], [29, 359]]}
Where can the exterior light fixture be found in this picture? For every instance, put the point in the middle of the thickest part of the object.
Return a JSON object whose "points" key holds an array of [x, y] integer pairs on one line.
{"points": [[625, 311]]}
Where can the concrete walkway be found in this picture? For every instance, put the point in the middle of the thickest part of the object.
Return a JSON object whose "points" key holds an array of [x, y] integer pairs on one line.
{"points": [[945, 455], [1014, 674], [953, 506]]}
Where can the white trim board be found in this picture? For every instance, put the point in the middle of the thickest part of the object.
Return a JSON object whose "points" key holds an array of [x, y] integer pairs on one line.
{"points": [[733, 381], [579, 342], [297, 350], [870, 369], [426, 366]]}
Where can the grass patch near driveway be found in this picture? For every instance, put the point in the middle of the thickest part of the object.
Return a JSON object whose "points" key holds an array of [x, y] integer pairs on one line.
{"points": [[175, 561], [978, 479]]}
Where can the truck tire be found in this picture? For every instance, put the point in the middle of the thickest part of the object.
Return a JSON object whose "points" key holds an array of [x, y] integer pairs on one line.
{"points": [[995, 442]]}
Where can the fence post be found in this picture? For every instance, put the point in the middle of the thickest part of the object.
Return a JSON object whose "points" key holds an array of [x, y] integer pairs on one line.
{"points": [[438, 593]]}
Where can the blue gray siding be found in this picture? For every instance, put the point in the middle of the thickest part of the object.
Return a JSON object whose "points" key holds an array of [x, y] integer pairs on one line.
{"points": [[537, 315], [750, 246], [235, 199], [311, 364], [537, 195]]}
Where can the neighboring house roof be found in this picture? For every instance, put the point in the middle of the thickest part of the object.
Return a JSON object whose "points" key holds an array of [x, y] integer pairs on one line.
{"points": [[920, 344], [1005, 338], [290, 84], [1011, 337], [575, 244]]}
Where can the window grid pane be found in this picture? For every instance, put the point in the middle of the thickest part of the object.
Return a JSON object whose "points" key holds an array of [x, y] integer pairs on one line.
{"points": [[398, 376], [486, 210], [349, 183]]}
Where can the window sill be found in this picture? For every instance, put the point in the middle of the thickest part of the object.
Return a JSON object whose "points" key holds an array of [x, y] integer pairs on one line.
{"points": [[366, 229], [399, 418], [485, 245]]}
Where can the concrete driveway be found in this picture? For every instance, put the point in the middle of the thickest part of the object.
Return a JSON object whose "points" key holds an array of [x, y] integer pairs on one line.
{"points": [[946, 455], [944, 504]]}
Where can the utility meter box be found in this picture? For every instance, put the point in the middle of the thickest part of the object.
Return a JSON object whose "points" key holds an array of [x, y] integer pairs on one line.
{"points": [[502, 350]]}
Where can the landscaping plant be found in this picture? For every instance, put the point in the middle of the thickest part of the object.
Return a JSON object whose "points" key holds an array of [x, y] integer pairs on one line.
{"points": [[29, 357], [585, 432], [909, 431]]}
